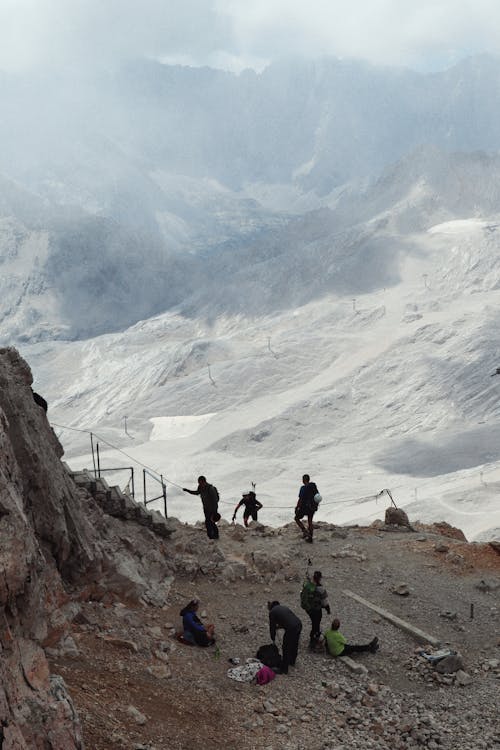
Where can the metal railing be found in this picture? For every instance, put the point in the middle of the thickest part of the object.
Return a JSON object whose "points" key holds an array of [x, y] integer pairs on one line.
{"points": [[98, 470], [146, 472]]}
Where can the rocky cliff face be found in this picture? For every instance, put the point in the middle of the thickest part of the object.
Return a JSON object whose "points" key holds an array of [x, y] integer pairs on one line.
{"points": [[56, 547]]}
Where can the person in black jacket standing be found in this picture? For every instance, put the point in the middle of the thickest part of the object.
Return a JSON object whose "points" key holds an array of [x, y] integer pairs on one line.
{"points": [[210, 501], [283, 617], [306, 506]]}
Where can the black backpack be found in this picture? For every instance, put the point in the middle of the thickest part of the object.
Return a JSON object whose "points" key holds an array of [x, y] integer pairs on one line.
{"points": [[269, 655]]}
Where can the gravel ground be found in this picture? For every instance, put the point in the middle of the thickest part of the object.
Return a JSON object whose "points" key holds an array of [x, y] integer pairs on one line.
{"points": [[137, 688]]}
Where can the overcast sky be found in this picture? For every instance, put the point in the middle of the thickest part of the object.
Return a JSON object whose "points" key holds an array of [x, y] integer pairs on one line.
{"points": [[423, 34]]}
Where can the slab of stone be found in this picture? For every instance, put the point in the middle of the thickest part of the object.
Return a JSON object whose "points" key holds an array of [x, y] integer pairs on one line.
{"points": [[354, 666], [420, 635]]}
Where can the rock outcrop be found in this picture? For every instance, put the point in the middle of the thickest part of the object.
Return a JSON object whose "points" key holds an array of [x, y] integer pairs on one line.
{"points": [[57, 546]]}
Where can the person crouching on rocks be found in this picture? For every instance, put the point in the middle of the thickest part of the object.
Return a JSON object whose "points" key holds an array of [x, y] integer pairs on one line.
{"points": [[336, 644], [194, 630], [252, 506]]}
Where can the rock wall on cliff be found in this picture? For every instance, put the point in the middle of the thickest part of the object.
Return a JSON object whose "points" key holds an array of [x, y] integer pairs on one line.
{"points": [[57, 547]]}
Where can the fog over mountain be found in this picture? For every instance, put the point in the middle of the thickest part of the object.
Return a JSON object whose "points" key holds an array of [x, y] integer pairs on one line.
{"points": [[297, 268], [160, 177]]}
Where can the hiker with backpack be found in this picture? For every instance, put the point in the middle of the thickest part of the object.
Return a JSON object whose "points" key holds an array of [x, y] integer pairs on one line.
{"points": [[194, 632], [210, 501], [336, 644], [283, 617], [307, 505], [252, 506], [313, 599]]}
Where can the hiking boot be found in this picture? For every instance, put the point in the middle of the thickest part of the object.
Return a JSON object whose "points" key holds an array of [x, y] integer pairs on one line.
{"points": [[309, 539], [374, 647]]}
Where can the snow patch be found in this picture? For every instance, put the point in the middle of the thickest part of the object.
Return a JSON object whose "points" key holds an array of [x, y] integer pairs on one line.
{"points": [[459, 226], [174, 428]]}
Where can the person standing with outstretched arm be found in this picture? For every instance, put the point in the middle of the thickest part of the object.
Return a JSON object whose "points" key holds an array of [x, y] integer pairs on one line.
{"points": [[306, 506], [210, 501]]}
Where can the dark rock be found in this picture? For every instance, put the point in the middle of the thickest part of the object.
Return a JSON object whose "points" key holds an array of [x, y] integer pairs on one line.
{"points": [[401, 590], [441, 548], [396, 517], [487, 586], [448, 615], [450, 664]]}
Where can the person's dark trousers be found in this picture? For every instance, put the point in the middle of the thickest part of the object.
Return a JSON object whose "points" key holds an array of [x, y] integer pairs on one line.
{"points": [[290, 648], [315, 615], [212, 528], [352, 649]]}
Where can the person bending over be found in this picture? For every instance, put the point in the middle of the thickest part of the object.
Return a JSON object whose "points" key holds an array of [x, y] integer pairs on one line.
{"points": [[283, 617]]}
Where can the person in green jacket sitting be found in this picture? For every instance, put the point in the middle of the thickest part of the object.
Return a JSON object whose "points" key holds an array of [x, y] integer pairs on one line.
{"points": [[336, 644]]}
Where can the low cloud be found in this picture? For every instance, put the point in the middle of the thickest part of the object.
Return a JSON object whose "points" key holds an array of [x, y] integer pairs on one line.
{"points": [[235, 33]]}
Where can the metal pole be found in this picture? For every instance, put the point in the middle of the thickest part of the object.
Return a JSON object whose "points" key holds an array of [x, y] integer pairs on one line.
{"points": [[392, 500], [164, 489], [93, 455], [144, 486], [98, 461], [132, 481]]}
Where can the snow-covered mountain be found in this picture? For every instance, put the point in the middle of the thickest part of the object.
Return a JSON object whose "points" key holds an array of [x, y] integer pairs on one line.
{"points": [[378, 377], [265, 274], [154, 171]]}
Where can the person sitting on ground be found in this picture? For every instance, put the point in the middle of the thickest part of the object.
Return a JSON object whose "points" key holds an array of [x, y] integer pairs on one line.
{"points": [[194, 630], [336, 644], [252, 505]]}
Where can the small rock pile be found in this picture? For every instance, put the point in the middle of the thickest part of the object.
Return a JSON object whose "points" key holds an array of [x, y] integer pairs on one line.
{"points": [[363, 714]]}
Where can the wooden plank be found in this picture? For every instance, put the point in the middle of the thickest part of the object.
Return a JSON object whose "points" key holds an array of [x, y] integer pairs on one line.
{"points": [[419, 635]]}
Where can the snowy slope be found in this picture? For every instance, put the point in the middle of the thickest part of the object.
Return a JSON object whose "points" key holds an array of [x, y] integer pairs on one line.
{"points": [[265, 274], [390, 389]]}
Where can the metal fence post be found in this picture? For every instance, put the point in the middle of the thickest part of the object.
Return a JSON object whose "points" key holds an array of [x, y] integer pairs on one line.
{"points": [[93, 454], [164, 490]]}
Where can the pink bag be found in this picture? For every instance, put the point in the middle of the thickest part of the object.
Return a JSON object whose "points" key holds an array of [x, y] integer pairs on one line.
{"points": [[264, 675]]}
